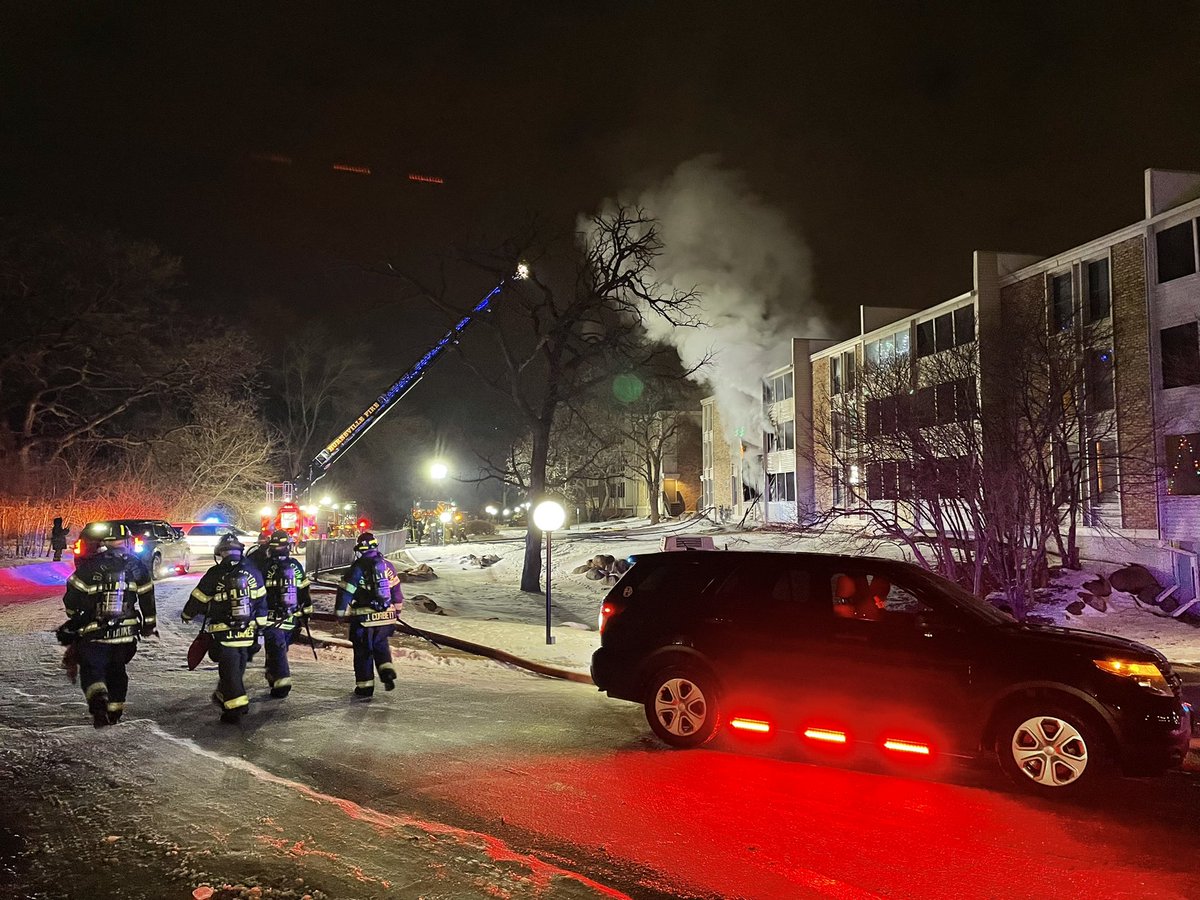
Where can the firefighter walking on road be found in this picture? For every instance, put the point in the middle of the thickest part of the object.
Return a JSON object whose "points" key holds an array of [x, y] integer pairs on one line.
{"points": [[288, 607], [371, 598], [232, 599], [110, 605]]}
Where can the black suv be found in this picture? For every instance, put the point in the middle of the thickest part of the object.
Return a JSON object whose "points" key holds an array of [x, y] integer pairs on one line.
{"points": [[879, 656], [157, 543]]}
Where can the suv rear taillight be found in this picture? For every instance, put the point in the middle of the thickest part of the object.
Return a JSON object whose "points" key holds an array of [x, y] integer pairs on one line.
{"points": [[609, 610]]}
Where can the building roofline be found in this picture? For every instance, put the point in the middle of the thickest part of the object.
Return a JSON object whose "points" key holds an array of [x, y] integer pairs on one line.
{"points": [[931, 312]]}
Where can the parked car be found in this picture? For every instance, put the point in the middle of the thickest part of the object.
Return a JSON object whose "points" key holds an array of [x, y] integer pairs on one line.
{"points": [[202, 537], [155, 541], [880, 657]]}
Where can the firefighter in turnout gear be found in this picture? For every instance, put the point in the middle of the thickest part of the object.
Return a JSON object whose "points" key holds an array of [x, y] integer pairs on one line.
{"points": [[371, 598], [232, 599], [260, 553], [110, 605], [288, 608]]}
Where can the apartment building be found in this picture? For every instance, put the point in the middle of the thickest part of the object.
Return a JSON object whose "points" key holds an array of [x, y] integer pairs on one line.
{"points": [[1124, 307]]}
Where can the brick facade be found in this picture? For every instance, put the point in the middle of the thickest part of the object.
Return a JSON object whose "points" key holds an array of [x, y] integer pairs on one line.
{"points": [[1135, 409], [822, 457]]}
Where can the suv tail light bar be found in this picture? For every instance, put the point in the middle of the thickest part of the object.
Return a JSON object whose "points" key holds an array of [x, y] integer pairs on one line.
{"points": [[828, 735], [915, 747], [750, 725]]}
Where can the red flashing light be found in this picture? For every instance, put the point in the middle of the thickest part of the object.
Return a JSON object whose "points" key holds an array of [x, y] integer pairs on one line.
{"points": [[77, 548], [609, 611], [353, 170], [428, 179], [825, 734], [750, 725], [906, 746], [364, 524]]}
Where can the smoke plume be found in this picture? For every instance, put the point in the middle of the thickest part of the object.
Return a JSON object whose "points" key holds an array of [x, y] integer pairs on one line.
{"points": [[753, 272]]}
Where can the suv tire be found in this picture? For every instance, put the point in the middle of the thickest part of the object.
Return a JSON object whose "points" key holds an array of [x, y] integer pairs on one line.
{"points": [[682, 705], [1051, 750], [156, 567]]}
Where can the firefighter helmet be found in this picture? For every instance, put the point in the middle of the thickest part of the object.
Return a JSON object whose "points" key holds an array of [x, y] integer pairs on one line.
{"points": [[366, 541], [228, 546], [280, 543], [264, 538], [119, 538]]}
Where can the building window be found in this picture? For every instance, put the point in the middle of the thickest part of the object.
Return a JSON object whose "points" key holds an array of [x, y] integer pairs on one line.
{"points": [[849, 365], [1098, 291], [943, 332], [779, 388], [1062, 302], [781, 486], [964, 325], [925, 343], [926, 407], [965, 402], [1176, 251], [944, 394], [1102, 470], [616, 489], [1180, 355], [835, 375], [1183, 465], [1100, 390]]}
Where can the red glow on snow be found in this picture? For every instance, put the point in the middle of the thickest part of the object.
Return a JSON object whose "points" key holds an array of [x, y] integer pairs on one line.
{"points": [[428, 179], [750, 725], [906, 746], [354, 170], [825, 734]]}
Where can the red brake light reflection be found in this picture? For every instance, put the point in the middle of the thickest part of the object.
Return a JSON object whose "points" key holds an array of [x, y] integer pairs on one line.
{"points": [[906, 747], [607, 611], [825, 734], [750, 725]]}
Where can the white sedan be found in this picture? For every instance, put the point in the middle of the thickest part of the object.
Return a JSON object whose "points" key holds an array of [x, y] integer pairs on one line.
{"points": [[202, 537]]}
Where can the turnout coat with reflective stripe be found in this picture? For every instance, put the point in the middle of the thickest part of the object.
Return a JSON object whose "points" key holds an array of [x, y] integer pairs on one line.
{"points": [[354, 593], [274, 574], [211, 599], [84, 589]]}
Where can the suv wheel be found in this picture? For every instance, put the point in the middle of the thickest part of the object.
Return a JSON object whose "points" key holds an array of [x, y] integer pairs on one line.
{"points": [[156, 567], [682, 706], [1049, 750]]}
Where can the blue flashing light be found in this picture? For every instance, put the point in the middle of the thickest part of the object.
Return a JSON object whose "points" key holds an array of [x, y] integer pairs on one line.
{"points": [[212, 520]]}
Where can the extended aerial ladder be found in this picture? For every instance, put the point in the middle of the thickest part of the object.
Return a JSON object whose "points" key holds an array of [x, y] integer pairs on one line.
{"points": [[336, 448]]}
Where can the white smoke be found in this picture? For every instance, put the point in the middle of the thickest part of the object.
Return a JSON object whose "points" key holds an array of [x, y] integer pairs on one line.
{"points": [[753, 272]]}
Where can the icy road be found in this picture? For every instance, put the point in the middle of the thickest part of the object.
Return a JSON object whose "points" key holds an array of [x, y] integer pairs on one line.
{"points": [[474, 780]]}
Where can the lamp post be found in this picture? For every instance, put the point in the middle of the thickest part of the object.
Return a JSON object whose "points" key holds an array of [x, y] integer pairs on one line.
{"points": [[444, 518], [548, 516]]}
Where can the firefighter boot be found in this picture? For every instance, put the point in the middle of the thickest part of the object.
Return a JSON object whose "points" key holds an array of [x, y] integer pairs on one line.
{"points": [[364, 691], [98, 707], [233, 716], [281, 691], [388, 677]]}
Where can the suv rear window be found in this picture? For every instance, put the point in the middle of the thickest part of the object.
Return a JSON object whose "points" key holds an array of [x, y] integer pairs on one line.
{"points": [[203, 530], [682, 578]]}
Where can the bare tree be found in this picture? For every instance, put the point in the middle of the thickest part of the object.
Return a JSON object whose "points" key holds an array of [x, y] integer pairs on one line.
{"points": [[311, 378], [568, 327]]}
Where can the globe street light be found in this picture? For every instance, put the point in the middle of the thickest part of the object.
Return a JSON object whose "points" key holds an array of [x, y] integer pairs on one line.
{"points": [[438, 471], [548, 516], [491, 510]]}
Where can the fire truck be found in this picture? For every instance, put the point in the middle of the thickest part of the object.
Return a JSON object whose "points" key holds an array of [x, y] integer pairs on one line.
{"points": [[286, 501]]}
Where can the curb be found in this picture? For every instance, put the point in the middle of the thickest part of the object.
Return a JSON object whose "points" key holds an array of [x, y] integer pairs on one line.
{"points": [[469, 647]]}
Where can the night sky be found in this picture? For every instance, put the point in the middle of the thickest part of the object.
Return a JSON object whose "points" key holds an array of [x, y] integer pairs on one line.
{"points": [[896, 139]]}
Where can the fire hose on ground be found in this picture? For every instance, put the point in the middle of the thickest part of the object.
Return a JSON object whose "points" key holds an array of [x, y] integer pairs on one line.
{"points": [[443, 640]]}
